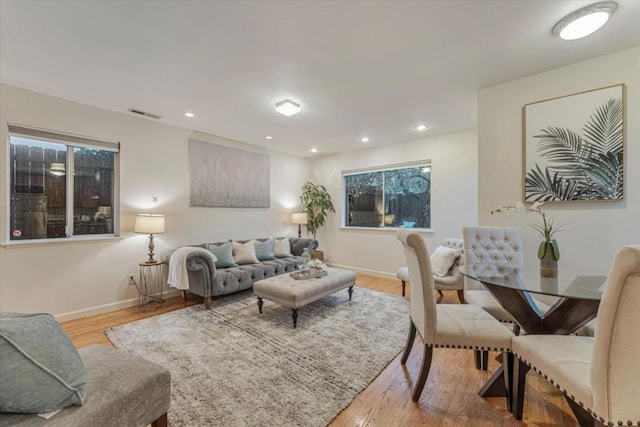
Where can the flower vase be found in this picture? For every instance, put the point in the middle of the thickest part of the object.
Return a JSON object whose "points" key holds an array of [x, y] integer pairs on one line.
{"points": [[548, 264]]}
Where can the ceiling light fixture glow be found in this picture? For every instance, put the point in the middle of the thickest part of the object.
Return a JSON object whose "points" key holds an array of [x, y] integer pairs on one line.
{"points": [[584, 21], [268, 137], [189, 114], [365, 139], [287, 107], [314, 150], [421, 127]]}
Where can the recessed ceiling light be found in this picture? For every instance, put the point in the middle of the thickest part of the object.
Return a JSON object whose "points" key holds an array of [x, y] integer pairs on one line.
{"points": [[189, 114], [584, 21], [288, 107], [364, 139], [421, 127], [314, 150], [268, 137]]}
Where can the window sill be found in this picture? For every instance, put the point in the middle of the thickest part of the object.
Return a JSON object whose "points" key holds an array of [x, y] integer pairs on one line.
{"points": [[386, 229], [58, 242]]}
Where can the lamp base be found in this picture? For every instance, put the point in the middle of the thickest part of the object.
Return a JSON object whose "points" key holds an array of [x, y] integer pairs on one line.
{"points": [[299, 231], [151, 246]]}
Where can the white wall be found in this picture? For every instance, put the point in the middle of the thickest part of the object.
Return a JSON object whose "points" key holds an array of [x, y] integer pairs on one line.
{"points": [[75, 279], [595, 229], [454, 199]]}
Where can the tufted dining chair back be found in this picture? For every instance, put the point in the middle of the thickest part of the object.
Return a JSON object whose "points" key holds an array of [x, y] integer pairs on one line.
{"points": [[423, 301], [501, 246], [615, 373]]}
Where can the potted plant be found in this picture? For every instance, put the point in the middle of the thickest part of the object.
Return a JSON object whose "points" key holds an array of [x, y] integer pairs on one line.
{"points": [[316, 202], [548, 251]]}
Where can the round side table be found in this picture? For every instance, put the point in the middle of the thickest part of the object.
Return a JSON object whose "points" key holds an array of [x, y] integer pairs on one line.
{"points": [[151, 285]]}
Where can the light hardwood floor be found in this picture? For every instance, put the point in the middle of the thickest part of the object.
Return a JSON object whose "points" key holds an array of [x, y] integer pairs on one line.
{"points": [[449, 398]]}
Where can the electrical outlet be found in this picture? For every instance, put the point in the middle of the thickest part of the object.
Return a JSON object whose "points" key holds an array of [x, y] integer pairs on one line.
{"points": [[131, 278]]}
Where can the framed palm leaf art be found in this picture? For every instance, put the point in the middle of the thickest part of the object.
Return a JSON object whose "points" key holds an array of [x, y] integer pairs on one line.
{"points": [[574, 147]]}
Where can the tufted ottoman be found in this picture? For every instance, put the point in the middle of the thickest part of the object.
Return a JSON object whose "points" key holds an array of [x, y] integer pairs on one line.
{"points": [[293, 293]]}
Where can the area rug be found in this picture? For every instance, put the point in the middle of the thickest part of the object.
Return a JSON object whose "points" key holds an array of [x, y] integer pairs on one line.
{"points": [[231, 366]]}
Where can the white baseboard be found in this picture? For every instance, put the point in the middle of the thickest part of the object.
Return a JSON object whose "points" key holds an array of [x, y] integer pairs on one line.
{"points": [[105, 308], [363, 270]]}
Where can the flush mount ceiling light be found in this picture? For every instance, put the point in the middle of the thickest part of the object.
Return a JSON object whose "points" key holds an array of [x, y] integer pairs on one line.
{"points": [[288, 107], [584, 21], [421, 127], [365, 139], [314, 150], [268, 137], [189, 114]]}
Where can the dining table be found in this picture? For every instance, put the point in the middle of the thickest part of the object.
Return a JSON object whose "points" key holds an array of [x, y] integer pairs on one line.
{"points": [[573, 299]]}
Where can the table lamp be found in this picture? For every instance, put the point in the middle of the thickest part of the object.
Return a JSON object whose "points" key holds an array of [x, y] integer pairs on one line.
{"points": [[299, 218], [149, 224]]}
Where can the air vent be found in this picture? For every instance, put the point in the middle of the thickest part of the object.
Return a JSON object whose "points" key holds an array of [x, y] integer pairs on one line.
{"points": [[144, 113]]}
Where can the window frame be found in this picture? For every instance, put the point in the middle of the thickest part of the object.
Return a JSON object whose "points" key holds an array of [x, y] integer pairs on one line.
{"points": [[71, 142], [383, 168]]}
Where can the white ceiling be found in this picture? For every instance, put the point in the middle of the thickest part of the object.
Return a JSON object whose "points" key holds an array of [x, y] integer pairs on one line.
{"points": [[374, 68]]}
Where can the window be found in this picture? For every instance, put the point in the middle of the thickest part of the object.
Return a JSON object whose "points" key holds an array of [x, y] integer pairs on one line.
{"points": [[388, 197], [48, 202]]}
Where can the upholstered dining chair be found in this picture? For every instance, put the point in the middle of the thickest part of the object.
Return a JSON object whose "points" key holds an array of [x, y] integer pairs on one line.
{"points": [[600, 375], [500, 247], [445, 325], [452, 281]]}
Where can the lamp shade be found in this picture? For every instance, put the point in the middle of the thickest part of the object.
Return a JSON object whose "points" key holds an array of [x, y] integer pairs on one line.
{"points": [[299, 218], [149, 224]]}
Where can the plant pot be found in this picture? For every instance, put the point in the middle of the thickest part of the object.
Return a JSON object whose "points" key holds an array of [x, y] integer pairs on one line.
{"points": [[317, 255], [548, 265]]}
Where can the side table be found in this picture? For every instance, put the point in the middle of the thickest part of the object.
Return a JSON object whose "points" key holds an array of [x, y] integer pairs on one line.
{"points": [[151, 285]]}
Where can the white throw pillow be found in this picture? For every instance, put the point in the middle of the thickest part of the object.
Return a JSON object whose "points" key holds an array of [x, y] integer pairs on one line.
{"points": [[442, 259], [245, 253], [282, 248]]}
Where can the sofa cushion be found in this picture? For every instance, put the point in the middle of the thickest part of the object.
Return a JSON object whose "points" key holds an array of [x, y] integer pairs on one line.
{"points": [[223, 252], [442, 260], [265, 250], [40, 369], [245, 253], [282, 247]]}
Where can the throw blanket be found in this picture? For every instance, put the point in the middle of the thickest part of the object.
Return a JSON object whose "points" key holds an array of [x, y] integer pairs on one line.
{"points": [[178, 276]]}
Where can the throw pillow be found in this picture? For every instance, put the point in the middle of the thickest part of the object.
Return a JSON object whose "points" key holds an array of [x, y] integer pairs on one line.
{"points": [[40, 368], [265, 251], [298, 245], [245, 253], [282, 247], [442, 259], [224, 254]]}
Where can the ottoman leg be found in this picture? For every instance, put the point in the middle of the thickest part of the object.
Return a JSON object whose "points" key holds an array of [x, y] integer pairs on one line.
{"points": [[350, 292], [260, 302], [294, 314]]}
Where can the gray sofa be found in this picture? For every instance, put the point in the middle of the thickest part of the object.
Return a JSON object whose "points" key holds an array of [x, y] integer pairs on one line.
{"points": [[208, 280]]}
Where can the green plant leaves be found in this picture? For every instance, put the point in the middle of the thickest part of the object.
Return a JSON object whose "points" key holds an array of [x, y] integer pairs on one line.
{"points": [[581, 167]]}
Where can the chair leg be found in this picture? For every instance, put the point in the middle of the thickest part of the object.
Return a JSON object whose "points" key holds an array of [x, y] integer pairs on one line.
{"points": [[410, 339], [516, 329], [404, 285], [507, 363], [520, 370], [424, 372], [481, 359], [161, 421], [461, 296]]}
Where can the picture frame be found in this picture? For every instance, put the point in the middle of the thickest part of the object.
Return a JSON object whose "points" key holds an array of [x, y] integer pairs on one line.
{"points": [[227, 177], [574, 147]]}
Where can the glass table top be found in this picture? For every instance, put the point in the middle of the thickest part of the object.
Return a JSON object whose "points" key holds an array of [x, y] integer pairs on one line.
{"points": [[568, 284]]}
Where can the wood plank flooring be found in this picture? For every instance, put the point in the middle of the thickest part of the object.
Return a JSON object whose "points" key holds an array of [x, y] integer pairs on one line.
{"points": [[449, 398]]}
